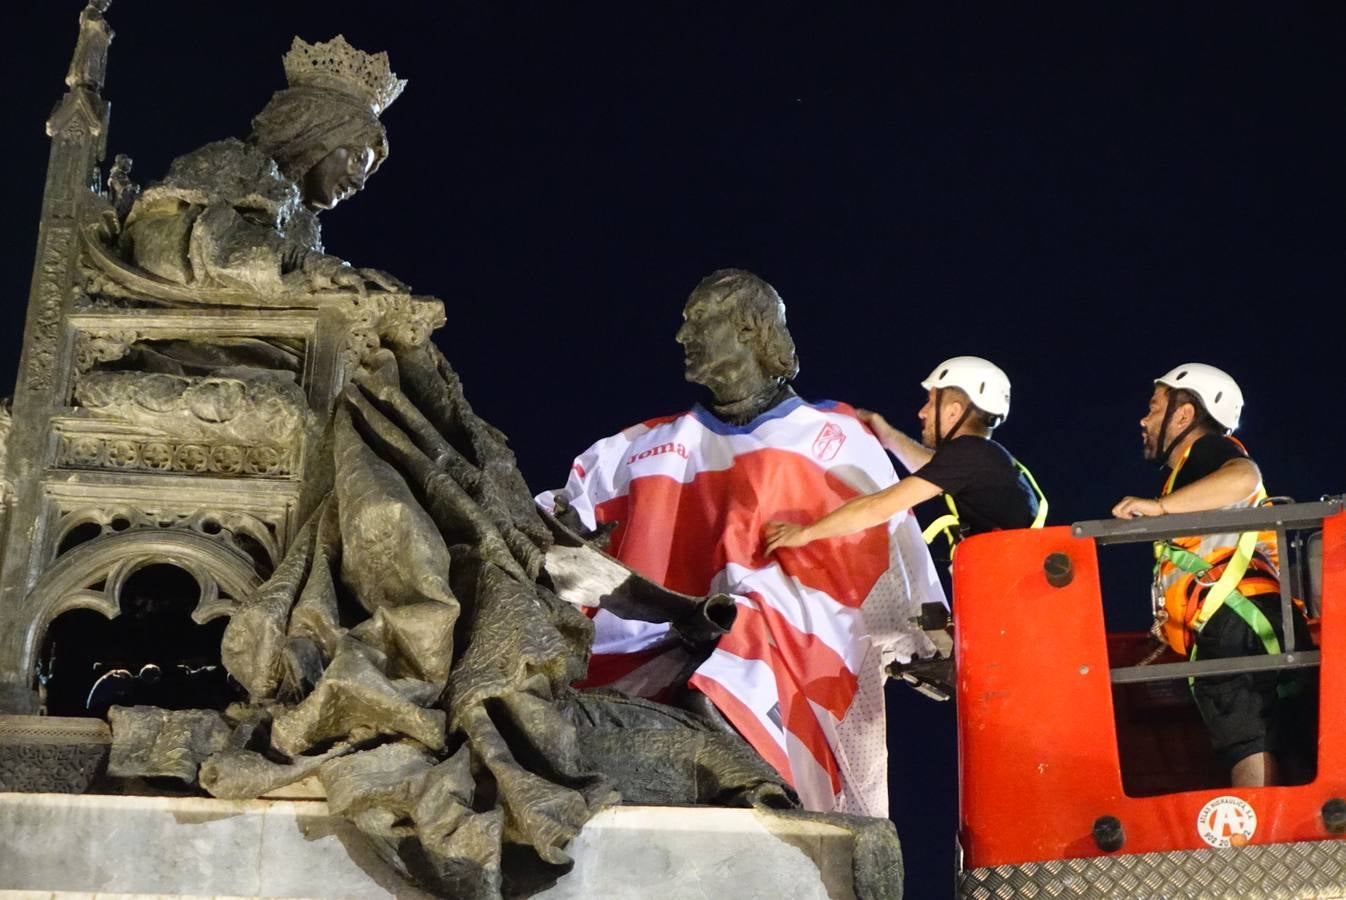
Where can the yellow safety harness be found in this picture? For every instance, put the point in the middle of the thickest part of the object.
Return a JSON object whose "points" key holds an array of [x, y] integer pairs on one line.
{"points": [[1224, 590], [951, 526]]}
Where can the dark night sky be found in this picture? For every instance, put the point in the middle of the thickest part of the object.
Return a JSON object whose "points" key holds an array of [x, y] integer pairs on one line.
{"points": [[1087, 195]]}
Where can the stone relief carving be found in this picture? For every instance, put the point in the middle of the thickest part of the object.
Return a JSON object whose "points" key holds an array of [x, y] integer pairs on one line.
{"points": [[92, 574], [42, 338], [241, 406], [6, 424], [244, 533], [133, 454], [6, 485], [92, 348], [51, 754]]}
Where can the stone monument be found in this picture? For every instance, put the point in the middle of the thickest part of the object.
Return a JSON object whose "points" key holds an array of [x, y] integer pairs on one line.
{"points": [[251, 519]]}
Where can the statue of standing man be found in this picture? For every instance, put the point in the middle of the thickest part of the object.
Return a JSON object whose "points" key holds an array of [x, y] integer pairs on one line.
{"points": [[88, 64], [800, 673]]}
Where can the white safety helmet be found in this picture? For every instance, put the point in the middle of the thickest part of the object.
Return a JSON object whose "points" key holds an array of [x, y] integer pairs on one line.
{"points": [[985, 383], [1218, 392]]}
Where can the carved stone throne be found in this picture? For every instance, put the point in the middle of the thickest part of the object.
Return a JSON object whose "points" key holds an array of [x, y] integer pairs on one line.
{"points": [[155, 426]]}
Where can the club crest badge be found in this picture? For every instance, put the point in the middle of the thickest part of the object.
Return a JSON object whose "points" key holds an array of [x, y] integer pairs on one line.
{"points": [[828, 442]]}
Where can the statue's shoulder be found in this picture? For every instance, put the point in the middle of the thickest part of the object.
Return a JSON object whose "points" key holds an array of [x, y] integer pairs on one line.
{"points": [[229, 171]]}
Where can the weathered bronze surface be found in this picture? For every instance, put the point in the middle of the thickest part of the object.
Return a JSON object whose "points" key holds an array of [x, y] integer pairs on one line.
{"points": [[309, 458], [160, 743], [735, 344]]}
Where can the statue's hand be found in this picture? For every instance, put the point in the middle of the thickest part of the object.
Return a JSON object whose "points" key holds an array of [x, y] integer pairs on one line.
{"points": [[326, 272], [349, 277], [385, 281]]}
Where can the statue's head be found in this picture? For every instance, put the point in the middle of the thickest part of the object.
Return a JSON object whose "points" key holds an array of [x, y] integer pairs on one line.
{"points": [[324, 131], [734, 338]]}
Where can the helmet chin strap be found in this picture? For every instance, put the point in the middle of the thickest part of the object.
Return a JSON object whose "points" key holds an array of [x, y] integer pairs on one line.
{"points": [[1162, 460], [941, 438]]}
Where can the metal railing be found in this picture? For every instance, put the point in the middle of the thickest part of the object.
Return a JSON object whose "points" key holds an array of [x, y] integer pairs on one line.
{"points": [[1281, 518]]}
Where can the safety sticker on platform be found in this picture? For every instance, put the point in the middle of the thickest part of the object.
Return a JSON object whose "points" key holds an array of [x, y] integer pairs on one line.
{"points": [[1226, 822]]}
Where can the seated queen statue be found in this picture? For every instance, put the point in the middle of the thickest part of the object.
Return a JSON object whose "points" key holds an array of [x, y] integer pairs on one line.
{"points": [[243, 215]]}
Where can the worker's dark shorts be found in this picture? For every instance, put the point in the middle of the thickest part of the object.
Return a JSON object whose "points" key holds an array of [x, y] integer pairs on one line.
{"points": [[1252, 712]]}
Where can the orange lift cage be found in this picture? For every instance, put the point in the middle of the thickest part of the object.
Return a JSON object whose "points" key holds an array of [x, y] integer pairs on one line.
{"points": [[1045, 727]]}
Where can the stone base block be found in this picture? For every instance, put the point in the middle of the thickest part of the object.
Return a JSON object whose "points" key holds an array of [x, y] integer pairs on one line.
{"points": [[51, 754], [55, 845]]}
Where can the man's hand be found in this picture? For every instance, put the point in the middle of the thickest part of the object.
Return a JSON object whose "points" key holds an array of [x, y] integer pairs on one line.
{"points": [[909, 451], [877, 423], [1134, 507], [784, 534]]}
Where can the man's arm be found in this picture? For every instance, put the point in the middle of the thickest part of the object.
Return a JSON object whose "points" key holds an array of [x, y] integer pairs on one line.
{"points": [[853, 515], [1227, 485], [911, 453]]}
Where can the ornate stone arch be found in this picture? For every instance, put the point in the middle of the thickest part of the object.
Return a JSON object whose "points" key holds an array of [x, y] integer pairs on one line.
{"points": [[91, 577]]}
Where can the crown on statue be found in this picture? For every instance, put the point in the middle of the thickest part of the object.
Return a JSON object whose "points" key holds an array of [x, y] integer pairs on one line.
{"points": [[338, 66]]}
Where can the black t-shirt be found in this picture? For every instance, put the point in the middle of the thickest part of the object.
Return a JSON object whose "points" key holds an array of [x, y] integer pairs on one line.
{"points": [[987, 487], [1208, 453]]}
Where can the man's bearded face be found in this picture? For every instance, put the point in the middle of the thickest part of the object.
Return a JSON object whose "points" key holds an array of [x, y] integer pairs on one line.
{"points": [[1152, 440], [716, 352], [927, 417]]}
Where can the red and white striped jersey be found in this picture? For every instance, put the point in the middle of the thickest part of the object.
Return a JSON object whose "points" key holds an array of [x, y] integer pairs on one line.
{"points": [[800, 674]]}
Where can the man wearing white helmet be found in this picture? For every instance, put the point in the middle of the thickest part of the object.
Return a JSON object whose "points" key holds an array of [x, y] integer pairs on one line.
{"points": [[1217, 596], [967, 397]]}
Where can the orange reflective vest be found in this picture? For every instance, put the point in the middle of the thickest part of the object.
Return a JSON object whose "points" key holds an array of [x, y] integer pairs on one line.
{"points": [[1195, 576]]}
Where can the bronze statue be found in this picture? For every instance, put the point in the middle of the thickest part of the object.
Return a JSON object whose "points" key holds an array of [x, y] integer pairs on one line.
{"points": [[243, 214], [309, 458], [681, 499], [736, 345]]}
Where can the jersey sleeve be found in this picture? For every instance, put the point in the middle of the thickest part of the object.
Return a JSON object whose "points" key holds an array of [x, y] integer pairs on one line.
{"points": [[596, 475]]}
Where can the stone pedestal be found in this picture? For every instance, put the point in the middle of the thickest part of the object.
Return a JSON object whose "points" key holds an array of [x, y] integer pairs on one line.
{"points": [[54, 845], [51, 754]]}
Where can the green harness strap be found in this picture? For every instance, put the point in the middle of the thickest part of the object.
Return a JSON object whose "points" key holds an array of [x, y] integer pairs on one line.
{"points": [[951, 525], [1238, 604], [1224, 587], [1259, 625]]}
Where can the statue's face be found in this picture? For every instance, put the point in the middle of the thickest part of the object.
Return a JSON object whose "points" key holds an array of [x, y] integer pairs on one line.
{"points": [[337, 176], [717, 353]]}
